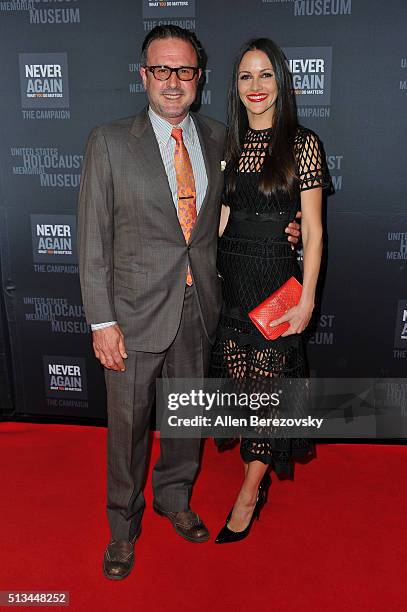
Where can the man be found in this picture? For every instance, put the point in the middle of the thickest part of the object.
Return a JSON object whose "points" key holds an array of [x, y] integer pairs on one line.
{"points": [[149, 212]]}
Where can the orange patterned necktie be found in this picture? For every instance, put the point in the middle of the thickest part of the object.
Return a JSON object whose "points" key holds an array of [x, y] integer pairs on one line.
{"points": [[185, 188]]}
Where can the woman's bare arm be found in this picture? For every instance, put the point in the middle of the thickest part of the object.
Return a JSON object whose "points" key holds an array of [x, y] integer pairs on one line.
{"points": [[224, 217]]}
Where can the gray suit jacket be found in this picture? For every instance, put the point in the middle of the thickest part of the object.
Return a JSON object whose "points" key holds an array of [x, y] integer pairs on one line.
{"points": [[132, 253]]}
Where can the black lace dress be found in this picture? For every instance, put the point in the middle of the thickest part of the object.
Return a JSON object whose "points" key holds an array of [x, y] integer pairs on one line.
{"points": [[254, 259]]}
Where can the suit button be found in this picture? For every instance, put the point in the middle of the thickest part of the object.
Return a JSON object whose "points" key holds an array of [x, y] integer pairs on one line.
{"points": [[188, 248]]}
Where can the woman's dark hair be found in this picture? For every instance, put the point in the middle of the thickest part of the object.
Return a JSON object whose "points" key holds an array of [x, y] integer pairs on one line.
{"points": [[278, 172], [172, 31]]}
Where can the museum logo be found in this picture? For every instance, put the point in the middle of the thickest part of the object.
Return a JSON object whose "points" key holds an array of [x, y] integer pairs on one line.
{"points": [[315, 8], [42, 12], [136, 84], [60, 314], [162, 12], [400, 337], [318, 8], [311, 69], [44, 80], [325, 330], [54, 238], [66, 12], [44, 85], [168, 8], [335, 167], [53, 167], [398, 246], [65, 377], [403, 82]]}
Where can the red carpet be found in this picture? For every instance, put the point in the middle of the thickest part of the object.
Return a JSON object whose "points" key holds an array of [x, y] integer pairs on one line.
{"points": [[334, 539]]}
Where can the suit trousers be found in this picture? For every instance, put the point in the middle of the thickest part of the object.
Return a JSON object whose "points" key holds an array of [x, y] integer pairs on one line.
{"points": [[130, 397]]}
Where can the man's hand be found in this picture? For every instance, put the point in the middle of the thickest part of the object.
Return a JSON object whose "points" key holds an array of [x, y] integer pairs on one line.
{"points": [[293, 230], [108, 344]]}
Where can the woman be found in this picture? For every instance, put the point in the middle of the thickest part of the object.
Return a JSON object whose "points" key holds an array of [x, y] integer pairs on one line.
{"points": [[274, 167]]}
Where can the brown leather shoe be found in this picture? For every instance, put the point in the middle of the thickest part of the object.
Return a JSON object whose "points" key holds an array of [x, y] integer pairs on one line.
{"points": [[118, 560], [187, 524]]}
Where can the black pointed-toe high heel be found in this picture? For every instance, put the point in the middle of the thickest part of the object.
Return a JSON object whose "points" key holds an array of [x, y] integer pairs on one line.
{"points": [[226, 535]]}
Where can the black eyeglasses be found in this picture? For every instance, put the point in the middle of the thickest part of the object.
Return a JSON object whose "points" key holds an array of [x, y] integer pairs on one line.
{"points": [[163, 73]]}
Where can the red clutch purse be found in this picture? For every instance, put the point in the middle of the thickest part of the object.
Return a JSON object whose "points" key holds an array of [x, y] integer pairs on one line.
{"points": [[273, 307]]}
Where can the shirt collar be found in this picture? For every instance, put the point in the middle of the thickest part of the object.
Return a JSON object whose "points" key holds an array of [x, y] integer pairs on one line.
{"points": [[163, 128]]}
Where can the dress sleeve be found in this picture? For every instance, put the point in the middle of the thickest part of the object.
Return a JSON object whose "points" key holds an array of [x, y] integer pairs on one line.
{"points": [[224, 197], [312, 168]]}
